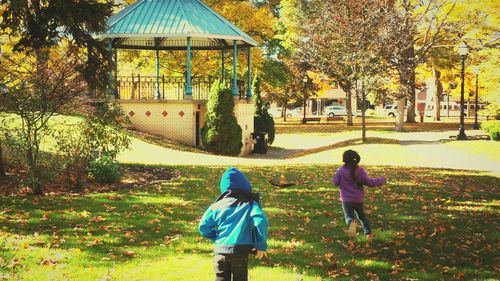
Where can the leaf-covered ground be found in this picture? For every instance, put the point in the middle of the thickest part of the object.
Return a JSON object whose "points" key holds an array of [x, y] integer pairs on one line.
{"points": [[429, 224]]}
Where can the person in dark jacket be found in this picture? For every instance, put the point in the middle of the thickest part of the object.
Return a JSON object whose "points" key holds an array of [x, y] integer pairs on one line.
{"points": [[352, 178], [237, 225]]}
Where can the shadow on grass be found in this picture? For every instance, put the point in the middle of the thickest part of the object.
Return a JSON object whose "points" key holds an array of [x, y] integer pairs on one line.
{"points": [[418, 231]]}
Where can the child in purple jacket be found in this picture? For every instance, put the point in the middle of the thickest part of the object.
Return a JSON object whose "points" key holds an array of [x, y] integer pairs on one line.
{"points": [[351, 178]]}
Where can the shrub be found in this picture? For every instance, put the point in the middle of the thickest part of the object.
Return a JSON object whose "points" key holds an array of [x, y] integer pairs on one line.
{"points": [[105, 170], [221, 133], [104, 130], [491, 110], [75, 144], [263, 122], [74, 153], [492, 128]]}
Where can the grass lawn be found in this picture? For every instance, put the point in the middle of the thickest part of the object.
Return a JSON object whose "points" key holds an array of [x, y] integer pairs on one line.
{"points": [[429, 224]]}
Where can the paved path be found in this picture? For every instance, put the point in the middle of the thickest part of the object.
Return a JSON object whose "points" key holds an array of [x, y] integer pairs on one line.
{"points": [[416, 149]]}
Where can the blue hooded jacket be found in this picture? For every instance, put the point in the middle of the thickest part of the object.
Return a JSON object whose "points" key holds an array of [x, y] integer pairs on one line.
{"points": [[235, 222]]}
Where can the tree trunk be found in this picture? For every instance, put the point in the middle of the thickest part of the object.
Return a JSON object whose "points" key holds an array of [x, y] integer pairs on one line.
{"points": [[400, 114], [412, 95], [348, 105], [36, 186], [285, 103], [2, 169], [305, 108], [363, 110], [468, 107], [404, 92], [32, 151], [91, 74], [34, 173], [439, 94], [37, 189]]}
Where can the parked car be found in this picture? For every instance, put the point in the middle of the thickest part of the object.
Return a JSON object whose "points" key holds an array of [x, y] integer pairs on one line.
{"points": [[390, 110], [275, 112], [296, 112], [337, 110]]}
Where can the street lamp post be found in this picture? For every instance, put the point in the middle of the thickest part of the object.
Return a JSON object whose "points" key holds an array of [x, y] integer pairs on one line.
{"points": [[476, 71], [305, 79], [462, 51]]}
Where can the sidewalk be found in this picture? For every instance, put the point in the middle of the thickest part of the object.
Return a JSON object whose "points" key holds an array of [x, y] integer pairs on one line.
{"points": [[417, 149]]}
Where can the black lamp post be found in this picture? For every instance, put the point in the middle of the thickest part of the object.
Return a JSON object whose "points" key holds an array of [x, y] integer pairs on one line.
{"points": [[476, 71], [462, 51]]}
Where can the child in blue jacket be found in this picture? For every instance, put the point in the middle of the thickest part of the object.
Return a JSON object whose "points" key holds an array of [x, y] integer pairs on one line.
{"points": [[237, 225]]}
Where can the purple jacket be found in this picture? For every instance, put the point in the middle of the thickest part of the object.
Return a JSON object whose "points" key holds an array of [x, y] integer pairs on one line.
{"points": [[350, 191]]}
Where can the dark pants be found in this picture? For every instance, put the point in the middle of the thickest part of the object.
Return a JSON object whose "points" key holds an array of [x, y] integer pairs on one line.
{"points": [[231, 268], [350, 208]]}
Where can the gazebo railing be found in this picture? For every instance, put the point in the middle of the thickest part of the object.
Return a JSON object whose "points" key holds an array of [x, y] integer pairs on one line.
{"points": [[170, 87]]}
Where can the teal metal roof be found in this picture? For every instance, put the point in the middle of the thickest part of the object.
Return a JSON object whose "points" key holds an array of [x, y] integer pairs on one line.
{"points": [[164, 24]]}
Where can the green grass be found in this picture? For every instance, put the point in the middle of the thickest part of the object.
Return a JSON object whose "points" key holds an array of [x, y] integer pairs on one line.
{"points": [[429, 224], [56, 122]]}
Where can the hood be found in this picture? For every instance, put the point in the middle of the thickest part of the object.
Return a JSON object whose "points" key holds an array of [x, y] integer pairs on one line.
{"points": [[233, 179]]}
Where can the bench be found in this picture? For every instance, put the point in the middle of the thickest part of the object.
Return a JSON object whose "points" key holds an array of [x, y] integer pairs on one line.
{"points": [[317, 119], [334, 118]]}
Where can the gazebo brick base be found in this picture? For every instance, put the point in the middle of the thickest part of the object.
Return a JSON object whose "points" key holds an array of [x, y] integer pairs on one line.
{"points": [[177, 119]]}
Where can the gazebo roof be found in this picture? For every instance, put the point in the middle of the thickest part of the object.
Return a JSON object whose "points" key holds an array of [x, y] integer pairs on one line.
{"points": [[165, 25]]}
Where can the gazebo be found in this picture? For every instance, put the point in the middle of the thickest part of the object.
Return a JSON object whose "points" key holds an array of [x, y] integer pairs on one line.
{"points": [[174, 106]]}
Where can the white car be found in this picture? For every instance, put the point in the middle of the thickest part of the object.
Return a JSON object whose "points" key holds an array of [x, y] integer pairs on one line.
{"points": [[275, 112], [296, 112], [391, 110], [337, 110]]}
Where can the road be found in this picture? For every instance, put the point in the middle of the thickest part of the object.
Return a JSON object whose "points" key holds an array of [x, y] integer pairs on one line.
{"points": [[421, 149]]}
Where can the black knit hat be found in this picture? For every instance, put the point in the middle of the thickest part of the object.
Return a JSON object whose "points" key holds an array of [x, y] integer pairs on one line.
{"points": [[351, 157]]}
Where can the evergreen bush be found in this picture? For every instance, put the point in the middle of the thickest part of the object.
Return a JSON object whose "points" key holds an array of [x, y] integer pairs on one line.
{"points": [[263, 122], [221, 133]]}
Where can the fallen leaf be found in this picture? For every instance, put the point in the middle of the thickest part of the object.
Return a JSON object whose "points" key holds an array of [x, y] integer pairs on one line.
{"points": [[129, 253]]}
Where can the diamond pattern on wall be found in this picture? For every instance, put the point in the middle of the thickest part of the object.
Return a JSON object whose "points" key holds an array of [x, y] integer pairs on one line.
{"points": [[164, 113], [181, 113], [131, 113], [148, 113]]}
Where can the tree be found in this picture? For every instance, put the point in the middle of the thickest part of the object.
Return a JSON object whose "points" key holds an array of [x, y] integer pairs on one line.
{"points": [[221, 132], [477, 24], [2, 168], [35, 92], [413, 28], [3, 91], [41, 25], [290, 55], [277, 77], [44, 24], [345, 42], [263, 122]]}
